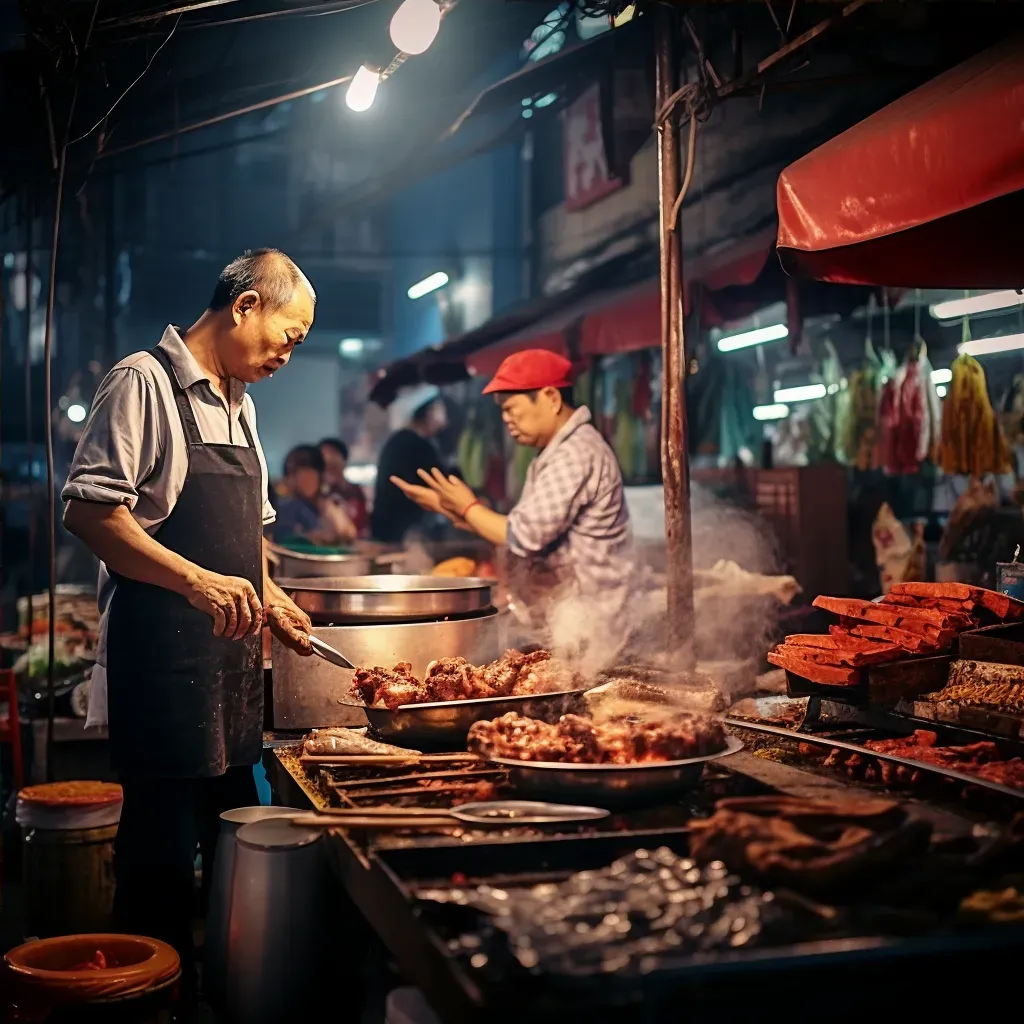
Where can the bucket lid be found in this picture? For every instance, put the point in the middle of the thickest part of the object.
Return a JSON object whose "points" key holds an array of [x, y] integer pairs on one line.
{"points": [[276, 834], [72, 794], [247, 815]]}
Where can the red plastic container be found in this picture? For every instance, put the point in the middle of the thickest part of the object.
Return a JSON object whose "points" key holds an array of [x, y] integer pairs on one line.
{"points": [[73, 979]]}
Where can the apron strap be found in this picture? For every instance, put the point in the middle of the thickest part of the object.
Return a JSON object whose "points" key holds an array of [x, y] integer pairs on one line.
{"points": [[185, 413], [245, 426]]}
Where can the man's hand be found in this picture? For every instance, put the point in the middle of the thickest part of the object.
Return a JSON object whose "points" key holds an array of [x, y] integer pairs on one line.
{"points": [[287, 621], [452, 494], [425, 497], [230, 601]]}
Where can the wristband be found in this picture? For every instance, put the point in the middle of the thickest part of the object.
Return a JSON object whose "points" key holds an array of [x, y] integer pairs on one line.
{"points": [[465, 511]]}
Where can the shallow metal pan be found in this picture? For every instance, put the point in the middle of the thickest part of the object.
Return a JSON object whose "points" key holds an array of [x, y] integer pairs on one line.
{"points": [[610, 785], [446, 723], [388, 598]]}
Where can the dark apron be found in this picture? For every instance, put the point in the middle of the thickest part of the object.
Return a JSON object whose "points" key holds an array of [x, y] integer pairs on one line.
{"points": [[183, 703]]}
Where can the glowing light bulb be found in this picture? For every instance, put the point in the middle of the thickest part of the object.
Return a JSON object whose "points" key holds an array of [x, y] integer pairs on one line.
{"points": [[362, 89], [76, 413], [415, 24]]}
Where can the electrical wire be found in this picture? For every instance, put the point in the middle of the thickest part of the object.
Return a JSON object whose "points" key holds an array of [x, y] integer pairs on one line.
{"points": [[141, 75]]}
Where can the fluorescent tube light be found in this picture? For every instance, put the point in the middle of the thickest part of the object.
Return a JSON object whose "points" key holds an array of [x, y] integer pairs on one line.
{"points": [[758, 336], [428, 285], [804, 393], [986, 303], [771, 412], [942, 376], [992, 346]]}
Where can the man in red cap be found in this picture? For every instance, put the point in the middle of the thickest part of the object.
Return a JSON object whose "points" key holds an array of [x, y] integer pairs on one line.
{"points": [[570, 529]]}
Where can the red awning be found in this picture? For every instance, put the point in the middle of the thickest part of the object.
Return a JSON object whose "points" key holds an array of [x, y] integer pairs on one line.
{"points": [[629, 319], [926, 193], [485, 363]]}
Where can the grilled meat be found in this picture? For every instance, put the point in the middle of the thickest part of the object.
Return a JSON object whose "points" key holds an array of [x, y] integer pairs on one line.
{"points": [[984, 684], [546, 675], [504, 676], [378, 686], [982, 759], [456, 679], [453, 679], [347, 741], [578, 740]]}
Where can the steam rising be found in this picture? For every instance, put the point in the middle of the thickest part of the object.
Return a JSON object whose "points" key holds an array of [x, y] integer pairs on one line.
{"points": [[737, 598]]}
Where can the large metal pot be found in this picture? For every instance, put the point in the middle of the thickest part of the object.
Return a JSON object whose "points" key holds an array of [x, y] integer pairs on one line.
{"points": [[307, 690], [382, 598], [298, 565]]}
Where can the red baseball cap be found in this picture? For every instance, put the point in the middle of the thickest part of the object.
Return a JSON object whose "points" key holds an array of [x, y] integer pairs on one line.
{"points": [[531, 370]]}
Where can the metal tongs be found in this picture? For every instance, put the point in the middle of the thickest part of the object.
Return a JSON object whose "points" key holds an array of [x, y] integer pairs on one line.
{"points": [[328, 653]]}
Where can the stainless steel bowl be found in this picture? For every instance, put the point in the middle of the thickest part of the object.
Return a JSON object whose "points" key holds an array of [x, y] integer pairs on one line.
{"points": [[610, 785], [388, 598], [293, 565], [446, 723]]}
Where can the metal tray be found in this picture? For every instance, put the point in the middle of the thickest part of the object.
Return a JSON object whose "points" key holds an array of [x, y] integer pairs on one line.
{"points": [[611, 785], [388, 598], [447, 722], [526, 812], [856, 748]]}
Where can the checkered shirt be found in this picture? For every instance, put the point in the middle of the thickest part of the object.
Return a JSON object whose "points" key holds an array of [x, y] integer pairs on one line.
{"points": [[572, 517]]}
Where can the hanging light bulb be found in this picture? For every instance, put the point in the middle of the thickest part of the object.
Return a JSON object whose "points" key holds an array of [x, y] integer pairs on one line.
{"points": [[362, 89], [415, 24]]}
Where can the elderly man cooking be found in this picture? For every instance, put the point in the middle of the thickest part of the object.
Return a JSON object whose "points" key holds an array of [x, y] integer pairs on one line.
{"points": [[569, 533], [169, 488]]}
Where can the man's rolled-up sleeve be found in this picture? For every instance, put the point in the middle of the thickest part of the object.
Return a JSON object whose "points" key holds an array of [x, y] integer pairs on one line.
{"points": [[554, 501], [118, 449]]}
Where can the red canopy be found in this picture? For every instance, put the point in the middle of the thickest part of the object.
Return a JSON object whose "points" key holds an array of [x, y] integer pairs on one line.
{"points": [[926, 193], [628, 319]]}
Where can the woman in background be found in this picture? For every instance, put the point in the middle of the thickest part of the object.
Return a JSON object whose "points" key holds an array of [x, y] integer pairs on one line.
{"points": [[334, 452]]}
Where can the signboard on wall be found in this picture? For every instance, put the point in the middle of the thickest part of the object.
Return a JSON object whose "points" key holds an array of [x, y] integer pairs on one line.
{"points": [[587, 175]]}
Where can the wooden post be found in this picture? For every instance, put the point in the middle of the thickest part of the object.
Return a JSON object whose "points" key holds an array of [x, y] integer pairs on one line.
{"points": [[675, 466]]}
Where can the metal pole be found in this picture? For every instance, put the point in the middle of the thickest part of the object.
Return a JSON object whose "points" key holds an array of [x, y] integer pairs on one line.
{"points": [[51, 488], [29, 212], [675, 466]]}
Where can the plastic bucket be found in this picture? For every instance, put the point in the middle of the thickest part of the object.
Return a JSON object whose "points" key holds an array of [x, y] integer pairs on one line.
{"points": [[117, 979], [68, 832]]}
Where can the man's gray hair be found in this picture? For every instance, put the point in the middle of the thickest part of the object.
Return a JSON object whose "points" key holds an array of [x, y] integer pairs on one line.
{"points": [[268, 272]]}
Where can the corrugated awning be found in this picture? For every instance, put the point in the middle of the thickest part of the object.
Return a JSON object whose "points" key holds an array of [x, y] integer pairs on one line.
{"points": [[926, 193]]}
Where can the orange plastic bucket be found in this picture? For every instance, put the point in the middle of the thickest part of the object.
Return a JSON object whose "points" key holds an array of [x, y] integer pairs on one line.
{"points": [[73, 978]]}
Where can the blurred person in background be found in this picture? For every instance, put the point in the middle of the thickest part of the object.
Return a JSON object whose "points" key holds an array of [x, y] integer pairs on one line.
{"points": [[306, 512], [416, 416], [335, 455]]}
